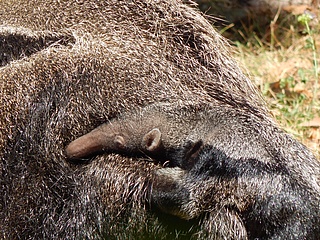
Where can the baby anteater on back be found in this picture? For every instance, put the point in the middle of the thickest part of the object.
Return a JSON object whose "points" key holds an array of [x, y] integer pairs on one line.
{"points": [[225, 160], [151, 131]]}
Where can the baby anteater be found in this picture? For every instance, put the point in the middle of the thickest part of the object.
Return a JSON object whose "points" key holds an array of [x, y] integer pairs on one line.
{"points": [[224, 166], [138, 133], [113, 137]]}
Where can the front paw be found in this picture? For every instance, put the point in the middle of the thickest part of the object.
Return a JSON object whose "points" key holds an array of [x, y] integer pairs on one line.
{"points": [[172, 194], [173, 175]]}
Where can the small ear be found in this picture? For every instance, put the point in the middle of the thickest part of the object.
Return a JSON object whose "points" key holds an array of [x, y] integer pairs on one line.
{"points": [[194, 149], [152, 140], [120, 142], [192, 153]]}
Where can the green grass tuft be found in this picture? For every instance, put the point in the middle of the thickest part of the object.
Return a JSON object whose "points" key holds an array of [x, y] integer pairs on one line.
{"points": [[282, 58]]}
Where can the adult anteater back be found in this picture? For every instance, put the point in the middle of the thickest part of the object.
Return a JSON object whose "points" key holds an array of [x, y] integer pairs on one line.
{"points": [[68, 66]]}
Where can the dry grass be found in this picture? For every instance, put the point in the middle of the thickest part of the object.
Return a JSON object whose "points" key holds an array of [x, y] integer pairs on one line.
{"points": [[282, 63]]}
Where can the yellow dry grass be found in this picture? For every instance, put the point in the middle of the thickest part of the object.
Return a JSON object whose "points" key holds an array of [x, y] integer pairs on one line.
{"points": [[285, 70]]}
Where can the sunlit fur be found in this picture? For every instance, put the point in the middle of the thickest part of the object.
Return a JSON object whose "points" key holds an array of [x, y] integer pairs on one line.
{"points": [[67, 67]]}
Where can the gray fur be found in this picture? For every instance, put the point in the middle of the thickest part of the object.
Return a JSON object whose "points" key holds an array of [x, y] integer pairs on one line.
{"points": [[73, 65]]}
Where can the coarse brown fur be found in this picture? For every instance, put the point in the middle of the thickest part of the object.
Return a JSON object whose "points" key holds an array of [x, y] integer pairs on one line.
{"points": [[67, 67]]}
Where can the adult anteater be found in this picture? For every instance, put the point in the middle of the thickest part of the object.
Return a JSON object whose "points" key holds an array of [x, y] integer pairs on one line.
{"points": [[68, 66]]}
